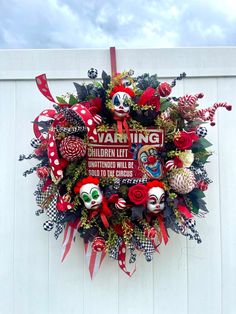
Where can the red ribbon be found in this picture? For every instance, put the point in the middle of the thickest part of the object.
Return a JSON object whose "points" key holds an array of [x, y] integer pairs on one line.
{"points": [[94, 259], [122, 122], [69, 234], [46, 185], [162, 228], [104, 212], [184, 210]]}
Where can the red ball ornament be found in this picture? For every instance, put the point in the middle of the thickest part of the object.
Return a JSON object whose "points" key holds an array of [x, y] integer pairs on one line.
{"points": [[98, 244], [150, 233], [42, 172], [72, 148], [202, 185], [164, 89]]}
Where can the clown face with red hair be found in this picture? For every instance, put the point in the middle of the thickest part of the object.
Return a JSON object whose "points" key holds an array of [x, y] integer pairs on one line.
{"points": [[156, 197], [121, 98], [90, 192]]}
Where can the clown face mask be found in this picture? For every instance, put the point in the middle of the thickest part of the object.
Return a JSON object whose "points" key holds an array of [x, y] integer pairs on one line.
{"points": [[156, 199], [91, 195], [121, 102], [149, 162]]}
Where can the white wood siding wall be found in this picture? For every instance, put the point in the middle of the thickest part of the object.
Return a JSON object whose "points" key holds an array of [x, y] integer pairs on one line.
{"points": [[185, 278]]}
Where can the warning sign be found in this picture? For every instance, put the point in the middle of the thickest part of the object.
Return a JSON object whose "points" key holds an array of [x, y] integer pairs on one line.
{"points": [[112, 156]]}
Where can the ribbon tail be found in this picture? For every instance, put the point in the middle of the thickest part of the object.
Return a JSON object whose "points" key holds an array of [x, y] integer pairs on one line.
{"points": [[122, 258], [163, 229], [126, 127], [53, 157], [119, 126], [184, 210], [49, 113], [156, 243], [47, 183], [41, 81], [94, 259], [69, 235], [104, 220]]}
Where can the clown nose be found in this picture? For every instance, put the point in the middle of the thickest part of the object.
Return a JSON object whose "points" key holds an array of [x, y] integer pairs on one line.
{"points": [[151, 159]]}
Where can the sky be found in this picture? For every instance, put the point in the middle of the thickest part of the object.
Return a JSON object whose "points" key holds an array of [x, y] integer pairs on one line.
{"points": [[124, 24]]}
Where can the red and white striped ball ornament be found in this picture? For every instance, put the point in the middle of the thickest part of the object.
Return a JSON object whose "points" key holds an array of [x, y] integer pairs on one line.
{"points": [[120, 204], [72, 148], [173, 164], [182, 180], [97, 119], [170, 164]]}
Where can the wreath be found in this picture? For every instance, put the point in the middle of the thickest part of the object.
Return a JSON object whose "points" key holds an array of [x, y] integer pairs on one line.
{"points": [[121, 163]]}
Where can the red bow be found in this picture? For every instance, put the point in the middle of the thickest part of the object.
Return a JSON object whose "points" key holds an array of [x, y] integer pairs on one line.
{"points": [[122, 122], [104, 212], [161, 223]]}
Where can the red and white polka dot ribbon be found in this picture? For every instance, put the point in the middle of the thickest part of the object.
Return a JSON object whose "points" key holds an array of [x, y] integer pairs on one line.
{"points": [[82, 111], [53, 156], [88, 120], [63, 204], [49, 113], [122, 259]]}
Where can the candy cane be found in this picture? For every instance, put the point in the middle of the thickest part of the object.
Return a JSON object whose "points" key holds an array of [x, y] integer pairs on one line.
{"points": [[189, 100], [209, 113], [187, 105]]}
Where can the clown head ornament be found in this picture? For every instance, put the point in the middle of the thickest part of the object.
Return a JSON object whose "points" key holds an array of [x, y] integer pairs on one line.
{"points": [[121, 99], [90, 193], [156, 197], [149, 162]]}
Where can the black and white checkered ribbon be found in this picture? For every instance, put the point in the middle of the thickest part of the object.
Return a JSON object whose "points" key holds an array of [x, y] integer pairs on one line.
{"points": [[71, 130], [59, 226], [58, 231], [134, 181], [70, 115], [51, 210], [200, 173], [189, 225], [144, 245], [39, 212], [42, 196], [113, 251]]}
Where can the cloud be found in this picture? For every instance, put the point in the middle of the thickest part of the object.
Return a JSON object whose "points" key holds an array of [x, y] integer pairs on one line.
{"points": [[125, 24]]}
